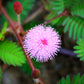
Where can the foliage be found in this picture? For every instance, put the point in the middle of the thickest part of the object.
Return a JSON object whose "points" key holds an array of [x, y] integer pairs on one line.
{"points": [[78, 9], [11, 53], [57, 5], [27, 4], [60, 5], [80, 49], [54, 11], [3, 30], [75, 26], [76, 80], [26, 68], [74, 22]]}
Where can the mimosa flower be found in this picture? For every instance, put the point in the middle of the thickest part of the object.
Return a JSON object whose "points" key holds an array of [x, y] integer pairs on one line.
{"points": [[42, 43]]}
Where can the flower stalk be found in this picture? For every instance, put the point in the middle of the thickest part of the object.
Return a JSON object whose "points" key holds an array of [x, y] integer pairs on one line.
{"points": [[19, 23]]}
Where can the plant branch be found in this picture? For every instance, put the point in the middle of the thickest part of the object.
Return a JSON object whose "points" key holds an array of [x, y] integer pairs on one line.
{"points": [[19, 38], [46, 22], [35, 14], [64, 13]]}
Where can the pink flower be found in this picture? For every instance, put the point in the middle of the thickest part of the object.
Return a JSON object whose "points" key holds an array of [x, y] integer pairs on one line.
{"points": [[42, 43]]}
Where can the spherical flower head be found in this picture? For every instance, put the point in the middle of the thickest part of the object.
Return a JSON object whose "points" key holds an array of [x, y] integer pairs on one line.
{"points": [[42, 43], [17, 7]]}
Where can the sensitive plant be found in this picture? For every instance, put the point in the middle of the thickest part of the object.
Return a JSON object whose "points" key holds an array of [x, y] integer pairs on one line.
{"points": [[42, 42], [17, 57]]}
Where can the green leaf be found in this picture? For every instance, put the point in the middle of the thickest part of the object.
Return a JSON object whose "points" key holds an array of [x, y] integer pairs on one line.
{"points": [[76, 80], [60, 5], [67, 25], [79, 49], [73, 81], [75, 27], [63, 81], [82, 80], [4, 27], [67, 80], [78, 8], [3, 30], [11, 53]]}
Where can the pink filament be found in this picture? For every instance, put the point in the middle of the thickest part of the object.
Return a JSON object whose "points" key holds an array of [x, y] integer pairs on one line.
{"points": [[44, 42]]}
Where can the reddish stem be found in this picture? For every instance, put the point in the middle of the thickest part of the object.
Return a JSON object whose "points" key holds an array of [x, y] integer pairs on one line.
{"points": [[64, 13], [19, 38], [46, 22]]}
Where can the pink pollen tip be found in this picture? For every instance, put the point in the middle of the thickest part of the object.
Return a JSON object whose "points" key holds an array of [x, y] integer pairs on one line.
{"points": [[44, 42]]}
